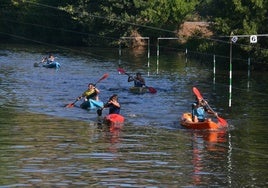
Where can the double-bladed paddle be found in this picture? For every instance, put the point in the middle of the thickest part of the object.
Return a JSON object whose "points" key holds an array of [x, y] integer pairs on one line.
{"points": [[122, 71], [222, 121], [102, 78]]}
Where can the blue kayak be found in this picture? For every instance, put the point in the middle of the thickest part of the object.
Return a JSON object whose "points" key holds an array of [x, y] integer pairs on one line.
{"points": [[92, 104], [52, 65]]}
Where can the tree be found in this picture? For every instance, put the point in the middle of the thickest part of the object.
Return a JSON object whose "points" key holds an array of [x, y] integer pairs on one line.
{"points": [[240, 17], [113, 18]]}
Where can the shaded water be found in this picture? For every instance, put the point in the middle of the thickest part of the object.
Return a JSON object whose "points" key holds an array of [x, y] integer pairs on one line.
{"points": [[44, 144]]}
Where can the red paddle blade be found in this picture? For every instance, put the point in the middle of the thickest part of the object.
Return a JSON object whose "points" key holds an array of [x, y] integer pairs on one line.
{"points": [[70, 105], [197, 93], [121, 71], [222, 121], [103, 77], [152, 90]]}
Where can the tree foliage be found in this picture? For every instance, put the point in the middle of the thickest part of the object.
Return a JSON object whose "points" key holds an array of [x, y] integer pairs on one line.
{"points": [[102, 22], [239, 17], [119, 18]]}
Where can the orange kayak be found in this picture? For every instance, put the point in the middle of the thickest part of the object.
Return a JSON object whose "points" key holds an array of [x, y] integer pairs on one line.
{"points": [[186, 121], [115, 121]]}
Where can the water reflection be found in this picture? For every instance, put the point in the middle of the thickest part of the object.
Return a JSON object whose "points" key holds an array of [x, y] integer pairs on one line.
{"points": [[207, 145], [110, 133]]}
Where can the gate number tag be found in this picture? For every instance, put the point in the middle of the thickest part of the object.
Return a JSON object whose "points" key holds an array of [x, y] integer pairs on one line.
{"points": [[253, 39]]}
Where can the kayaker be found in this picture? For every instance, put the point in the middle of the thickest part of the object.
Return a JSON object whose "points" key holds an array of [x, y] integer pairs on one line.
{"points": [[91, 93], [51, 58], [113, 105], [138, 80], [199, 109], [48, 59]]}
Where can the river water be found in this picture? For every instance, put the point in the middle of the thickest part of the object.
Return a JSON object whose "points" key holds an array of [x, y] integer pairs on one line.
{"points": [[44, 144]]}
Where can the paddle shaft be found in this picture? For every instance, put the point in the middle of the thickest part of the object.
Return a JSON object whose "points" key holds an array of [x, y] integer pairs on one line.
{"points": [[99, 111]]}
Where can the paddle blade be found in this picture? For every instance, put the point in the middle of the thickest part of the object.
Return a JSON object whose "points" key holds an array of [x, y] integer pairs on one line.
{"points": [[152, 90], [121, 71], [69, 105], [197, 93], [103, 77], [222, 121]]}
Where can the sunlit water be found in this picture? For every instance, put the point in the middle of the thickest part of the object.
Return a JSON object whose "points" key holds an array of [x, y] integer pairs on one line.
{"points": [[45, 144]]}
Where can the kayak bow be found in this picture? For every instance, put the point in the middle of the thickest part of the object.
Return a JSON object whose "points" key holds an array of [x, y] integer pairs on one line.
{"points": [[115, 121]]}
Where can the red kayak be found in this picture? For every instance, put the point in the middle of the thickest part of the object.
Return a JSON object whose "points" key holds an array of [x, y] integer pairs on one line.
{"points": [[115, 121], [186, 121]]}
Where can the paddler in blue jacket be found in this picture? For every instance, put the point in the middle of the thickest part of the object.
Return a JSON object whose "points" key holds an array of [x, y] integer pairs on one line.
{"points": [[199, 108], [138, 80]]}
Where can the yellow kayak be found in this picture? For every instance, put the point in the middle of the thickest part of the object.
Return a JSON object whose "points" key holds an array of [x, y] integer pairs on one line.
{"points": [[138, 90]]}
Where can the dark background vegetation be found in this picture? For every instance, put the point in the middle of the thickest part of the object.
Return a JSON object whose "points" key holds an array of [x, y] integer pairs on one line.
{"points": [[102, 23]]}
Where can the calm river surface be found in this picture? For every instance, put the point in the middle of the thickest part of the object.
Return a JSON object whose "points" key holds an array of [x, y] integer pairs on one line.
{"points": [[44, 144]]}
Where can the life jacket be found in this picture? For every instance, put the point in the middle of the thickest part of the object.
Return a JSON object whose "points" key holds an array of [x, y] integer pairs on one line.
{"points": [[90, 94], [137, 83], [199, 112]]}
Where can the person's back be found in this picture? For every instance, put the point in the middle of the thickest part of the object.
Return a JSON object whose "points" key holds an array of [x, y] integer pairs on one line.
{"points": [[51, 58], [199, 112]]}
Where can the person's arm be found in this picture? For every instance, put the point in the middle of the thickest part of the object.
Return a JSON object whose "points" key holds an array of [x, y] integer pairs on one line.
{"points": [[211, 112], [208, 110], [81, 96], [97, 90], [115, 103], [193, 116], [112, 102], [142, 81], [130, 79]]}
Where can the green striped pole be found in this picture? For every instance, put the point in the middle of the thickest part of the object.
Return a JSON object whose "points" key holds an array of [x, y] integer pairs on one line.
{"points": [[148, 64], [120, 53], [230, 75], [186, 59], [248, 72], [157, 60], [214, 68]]}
